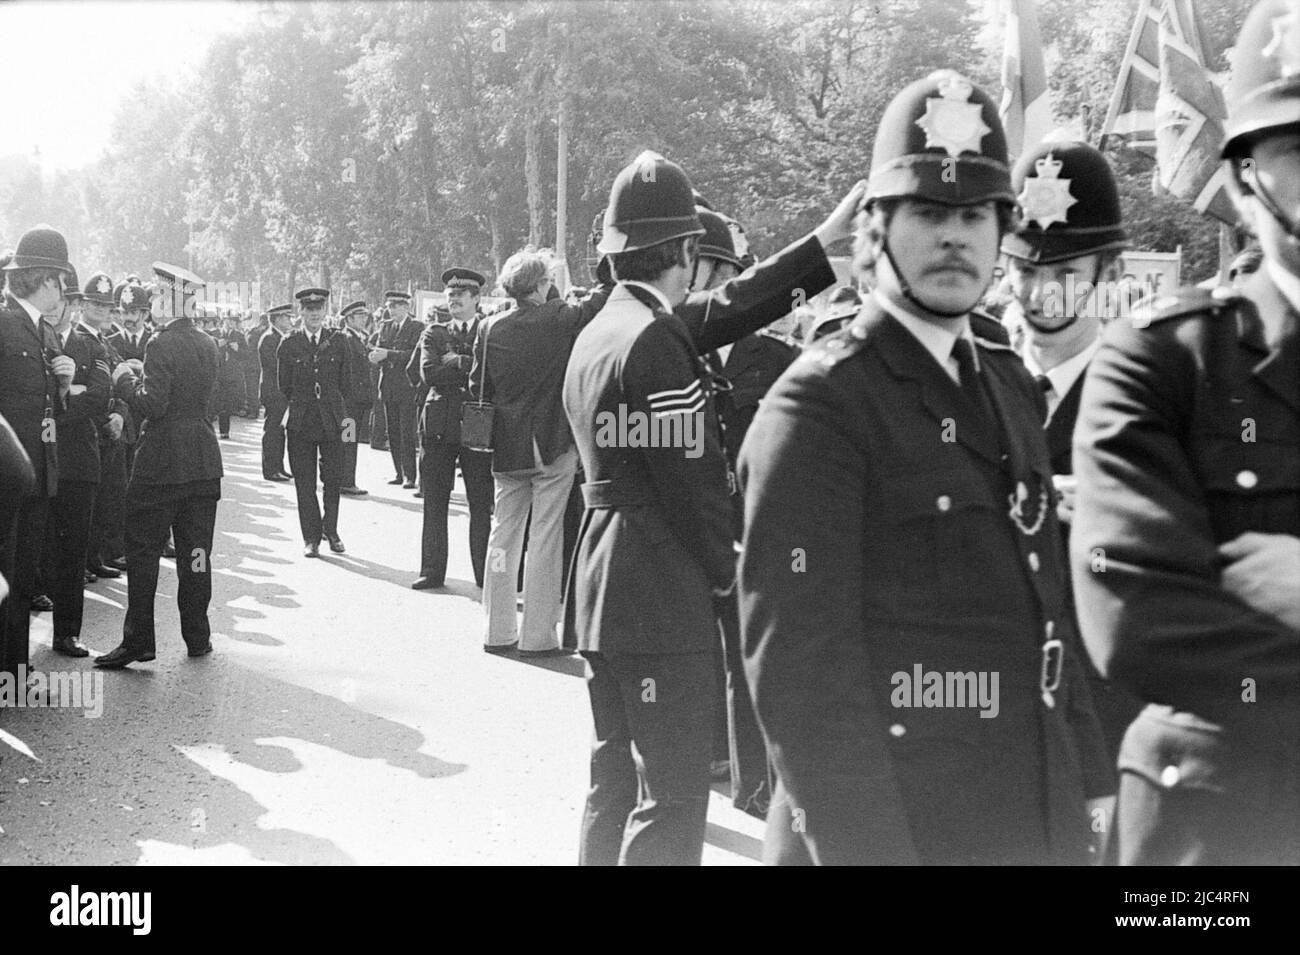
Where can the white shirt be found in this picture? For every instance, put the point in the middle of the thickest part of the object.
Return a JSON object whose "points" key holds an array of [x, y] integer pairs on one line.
{"points": [[663, 299], [33, 313], [936, 339], [724, 351], [1064, 375]]}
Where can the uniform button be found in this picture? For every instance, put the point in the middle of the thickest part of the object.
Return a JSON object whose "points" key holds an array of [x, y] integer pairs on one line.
{"points": [[943, 502], [1169, 777], [1247, 479], [1033, 561], [898, 729]]}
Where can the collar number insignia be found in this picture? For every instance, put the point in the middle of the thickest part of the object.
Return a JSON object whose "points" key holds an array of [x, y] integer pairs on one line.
{"points": [[950, 121], [1046, 198]]}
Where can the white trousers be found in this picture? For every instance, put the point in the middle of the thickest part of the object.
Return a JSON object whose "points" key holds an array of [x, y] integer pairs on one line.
{"points": [[544, 489]]}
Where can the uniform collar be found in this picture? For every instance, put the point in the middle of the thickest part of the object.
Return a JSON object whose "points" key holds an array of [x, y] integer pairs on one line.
{"points": [[660, 296], [32, 311], [1064, 375], [936, 339]]}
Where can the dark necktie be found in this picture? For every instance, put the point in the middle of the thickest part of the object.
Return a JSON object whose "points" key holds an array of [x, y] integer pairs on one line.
{"points": [[1044, 383], [964, 352]]}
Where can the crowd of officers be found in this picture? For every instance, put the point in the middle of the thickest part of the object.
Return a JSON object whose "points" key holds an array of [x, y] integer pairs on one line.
{"points": [[934, 597]]}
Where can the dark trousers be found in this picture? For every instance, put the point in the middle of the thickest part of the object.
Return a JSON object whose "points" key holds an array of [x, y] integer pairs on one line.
{"points": [[273, 438], [649, 810], [252, 381], [437, 477], [106, 524], [304, 449], [189, 513], [401, 418], [349, 465], [68, 539], [223, 422], [20, 555], [751, 777]]}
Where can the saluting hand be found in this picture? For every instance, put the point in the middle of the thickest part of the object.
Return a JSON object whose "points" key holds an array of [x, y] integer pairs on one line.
{"points": [[1264, 571], [839, 224]]}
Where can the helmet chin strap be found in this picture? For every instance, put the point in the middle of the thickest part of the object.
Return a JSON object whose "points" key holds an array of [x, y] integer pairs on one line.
{"points": [[1253, 186], [905, 287]]}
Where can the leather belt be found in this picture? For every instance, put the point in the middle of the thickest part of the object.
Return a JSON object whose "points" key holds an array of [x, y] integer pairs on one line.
{"points": [[608, 494]]}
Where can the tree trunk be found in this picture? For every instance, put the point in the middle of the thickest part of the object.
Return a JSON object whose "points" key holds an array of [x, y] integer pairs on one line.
{"points": [[533, 182]]}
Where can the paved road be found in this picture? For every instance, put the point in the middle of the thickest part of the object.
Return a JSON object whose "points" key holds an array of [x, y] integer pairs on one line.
{"points": [[343, 717]]}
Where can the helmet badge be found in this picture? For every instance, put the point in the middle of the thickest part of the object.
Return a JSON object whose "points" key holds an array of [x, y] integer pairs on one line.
{"points": [[105, 286], [1285, 45], [950, 121], [1046, 198]]}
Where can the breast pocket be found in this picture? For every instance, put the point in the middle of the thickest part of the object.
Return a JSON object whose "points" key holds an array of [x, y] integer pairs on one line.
{"points": [[1251, 479]]}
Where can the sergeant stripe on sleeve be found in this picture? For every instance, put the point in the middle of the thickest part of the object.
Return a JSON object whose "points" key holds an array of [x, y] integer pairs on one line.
{"points": [[679, 399]]}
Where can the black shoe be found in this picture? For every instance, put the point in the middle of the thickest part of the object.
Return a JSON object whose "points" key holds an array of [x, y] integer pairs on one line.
{"points": [[42, 604], [499, 647], [426, 583], [396, 480], [69, 647], [169, 551], [336, 543], [353, 491], [103, 570], [88, 578], [280, 478], [311, 550], [378, 447], [118, 563], [409, 485], [418, 493], [203, 651], [121, 656]]}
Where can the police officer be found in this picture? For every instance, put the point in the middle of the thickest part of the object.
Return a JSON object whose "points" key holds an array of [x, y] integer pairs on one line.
{"points": [[902, 584], [176, 478], [314, 376], [133, 303], [71, 509], [269, 393], [446, 354], [1064, 269], [656, 542], [1186, 538], [354, 317], [35, 378], [397, 338], [106, 555]]}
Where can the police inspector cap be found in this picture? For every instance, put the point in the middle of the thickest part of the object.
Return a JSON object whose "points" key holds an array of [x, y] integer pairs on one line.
{"points": [[177, 277], [1263, 90], [311, 297], [651, 201], [357, 306], [41, 247], [940, 139], [464, 278], [1069, 202]]}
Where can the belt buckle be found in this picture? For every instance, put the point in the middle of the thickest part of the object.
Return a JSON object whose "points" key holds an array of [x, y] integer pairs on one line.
{"points": [[1050, 675]]}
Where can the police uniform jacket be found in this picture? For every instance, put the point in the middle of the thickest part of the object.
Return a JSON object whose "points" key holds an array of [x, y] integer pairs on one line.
{"points": [[269, 390], [879, 540], [1188, 436], [121, 341], [655, 540], [78, 429], [359, 397], [316, 381], [400, 340], [752, 365], [172, 401], [28, 390], [445, 384]]}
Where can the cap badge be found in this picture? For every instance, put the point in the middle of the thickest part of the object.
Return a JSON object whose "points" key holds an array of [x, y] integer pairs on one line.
{"points": [[104, 286], [1285, 45], [950, 121], [127, 297], [1046, 198]]}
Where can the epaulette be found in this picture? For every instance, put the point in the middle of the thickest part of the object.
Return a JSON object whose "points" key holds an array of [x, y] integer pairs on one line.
{"points": [[1180, 303], [834, 348], [988, 331]]}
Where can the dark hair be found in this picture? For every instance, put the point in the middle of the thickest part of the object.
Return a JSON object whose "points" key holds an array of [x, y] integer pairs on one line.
{"points": [[873, 223], [23, 283], [646, 265]]}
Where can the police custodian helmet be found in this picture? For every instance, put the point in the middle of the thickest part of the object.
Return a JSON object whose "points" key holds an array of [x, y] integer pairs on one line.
{"points": [[650, 202], [1069, 204], [940, 139]]}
